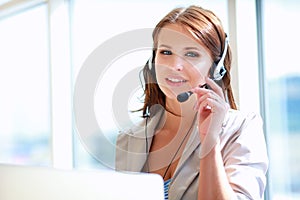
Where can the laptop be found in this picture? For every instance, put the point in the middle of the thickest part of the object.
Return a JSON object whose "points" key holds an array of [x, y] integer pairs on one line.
{"points": [[39, 183]]}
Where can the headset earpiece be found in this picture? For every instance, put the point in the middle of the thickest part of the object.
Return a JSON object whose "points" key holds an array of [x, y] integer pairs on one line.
{"points": [[219, 70], [147, 113], [150, 63]]}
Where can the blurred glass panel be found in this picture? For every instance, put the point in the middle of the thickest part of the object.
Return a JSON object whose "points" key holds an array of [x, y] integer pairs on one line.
{"points": [[282, 42], [25, 88]]}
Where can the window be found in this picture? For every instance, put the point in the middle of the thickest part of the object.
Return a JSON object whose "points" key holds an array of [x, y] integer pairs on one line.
{"points": [[36, 116], [282, 83], [25, 88]]}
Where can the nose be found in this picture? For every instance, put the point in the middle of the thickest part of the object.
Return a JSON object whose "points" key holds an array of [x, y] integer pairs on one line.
{"points": [[177, 63]]}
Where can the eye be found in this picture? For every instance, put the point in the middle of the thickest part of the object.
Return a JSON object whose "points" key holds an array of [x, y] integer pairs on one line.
{"points": [[166, 52], [192, 54]]}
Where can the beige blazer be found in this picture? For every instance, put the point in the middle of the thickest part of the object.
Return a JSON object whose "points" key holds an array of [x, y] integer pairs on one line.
{"points": [[243, 151]]}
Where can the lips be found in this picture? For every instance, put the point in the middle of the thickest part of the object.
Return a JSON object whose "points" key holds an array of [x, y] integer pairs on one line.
{"points": [[175, 81]]}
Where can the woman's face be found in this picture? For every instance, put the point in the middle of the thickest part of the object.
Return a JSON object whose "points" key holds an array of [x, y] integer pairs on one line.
{"points": [[181, 63]]}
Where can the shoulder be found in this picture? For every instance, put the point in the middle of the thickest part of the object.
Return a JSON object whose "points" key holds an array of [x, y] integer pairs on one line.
{"points": [[243, 134], [243, 131], [237, 121], [145, 126], [134, 132], [244, 153], [238, 116], [130, 148]]}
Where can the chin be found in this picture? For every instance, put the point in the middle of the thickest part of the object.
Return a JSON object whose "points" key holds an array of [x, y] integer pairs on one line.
{"points": [[170, 94]]}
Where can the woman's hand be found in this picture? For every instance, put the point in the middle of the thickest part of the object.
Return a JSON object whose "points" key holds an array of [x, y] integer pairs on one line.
{"points": [[212, 108]]}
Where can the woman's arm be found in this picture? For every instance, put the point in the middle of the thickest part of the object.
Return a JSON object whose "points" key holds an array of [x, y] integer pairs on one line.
{"points": [[238, 161], [213, 182], [238, 171]]}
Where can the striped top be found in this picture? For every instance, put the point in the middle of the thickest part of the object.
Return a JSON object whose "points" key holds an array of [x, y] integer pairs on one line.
{"points": [[166, 188]]}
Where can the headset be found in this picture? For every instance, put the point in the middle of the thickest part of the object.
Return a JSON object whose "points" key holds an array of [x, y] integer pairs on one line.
{"points": [[219, 69]]}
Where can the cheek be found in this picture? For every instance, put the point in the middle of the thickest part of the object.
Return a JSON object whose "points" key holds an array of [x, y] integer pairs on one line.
{"points": [[161, 70], [158, 72], [197, 75]]}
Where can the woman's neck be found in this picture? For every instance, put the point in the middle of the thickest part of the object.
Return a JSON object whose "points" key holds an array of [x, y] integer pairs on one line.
{"points": [[179, 116]]}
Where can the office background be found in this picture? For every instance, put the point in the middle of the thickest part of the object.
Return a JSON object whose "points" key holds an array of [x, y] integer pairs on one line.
{"points": [[43, 44]]}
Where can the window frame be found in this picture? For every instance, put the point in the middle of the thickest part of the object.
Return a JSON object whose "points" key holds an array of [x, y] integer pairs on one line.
{"points": [[61, 124]]}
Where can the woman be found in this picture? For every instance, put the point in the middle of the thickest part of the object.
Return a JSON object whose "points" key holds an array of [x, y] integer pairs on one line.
{"points": [[203, 147]]}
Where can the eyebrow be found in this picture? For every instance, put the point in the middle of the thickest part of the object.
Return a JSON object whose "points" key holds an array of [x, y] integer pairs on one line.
{"points": [[192, 48], [186, 48], [166, 46]]}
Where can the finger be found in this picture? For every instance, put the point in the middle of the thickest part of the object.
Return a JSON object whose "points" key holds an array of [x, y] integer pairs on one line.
{"points": [[202, 94], [215, 87], [210, 99], [208, 105], [199, 91], [211, 94]]}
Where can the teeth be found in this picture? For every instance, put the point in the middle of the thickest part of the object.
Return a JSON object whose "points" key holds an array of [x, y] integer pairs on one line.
{"points": [[176, 80]]}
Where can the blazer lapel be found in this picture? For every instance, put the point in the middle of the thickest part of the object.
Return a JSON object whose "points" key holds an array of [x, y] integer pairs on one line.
{"points": [[137, 153]]}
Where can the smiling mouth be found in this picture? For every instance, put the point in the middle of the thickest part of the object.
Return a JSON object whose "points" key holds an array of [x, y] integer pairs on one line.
{"points": [[175, 80]]}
